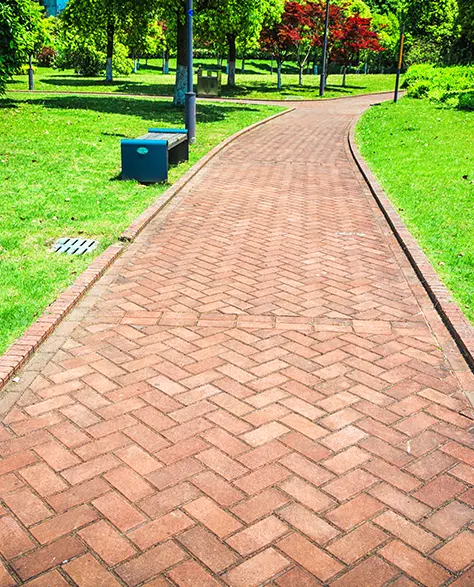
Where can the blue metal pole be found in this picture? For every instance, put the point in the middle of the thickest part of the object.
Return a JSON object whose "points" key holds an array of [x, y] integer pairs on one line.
{"points": [[190, 104], [322, 81]]}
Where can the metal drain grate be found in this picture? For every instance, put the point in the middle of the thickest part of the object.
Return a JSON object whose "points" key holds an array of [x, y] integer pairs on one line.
{"points": [[74, 246]]}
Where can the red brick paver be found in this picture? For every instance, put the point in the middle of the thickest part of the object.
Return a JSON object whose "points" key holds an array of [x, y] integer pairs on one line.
{"points": [[258, 392]]}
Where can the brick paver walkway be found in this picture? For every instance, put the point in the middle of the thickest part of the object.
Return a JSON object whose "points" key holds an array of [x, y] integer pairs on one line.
{"points": [[258, 392]]}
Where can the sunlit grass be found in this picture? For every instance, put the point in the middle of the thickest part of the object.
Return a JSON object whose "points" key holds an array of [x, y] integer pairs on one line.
{"points": [[423, 155]]}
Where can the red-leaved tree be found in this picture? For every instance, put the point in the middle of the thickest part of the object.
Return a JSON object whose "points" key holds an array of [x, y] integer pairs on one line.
{"points": [[356, 36], [295, 35], [301, 30]]}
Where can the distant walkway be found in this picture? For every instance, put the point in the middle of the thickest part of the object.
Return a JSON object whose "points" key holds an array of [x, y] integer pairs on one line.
{"points": [[257, 393]]}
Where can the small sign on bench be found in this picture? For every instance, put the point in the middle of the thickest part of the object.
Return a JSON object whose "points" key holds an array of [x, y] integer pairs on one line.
{"points": [[147, 158]]}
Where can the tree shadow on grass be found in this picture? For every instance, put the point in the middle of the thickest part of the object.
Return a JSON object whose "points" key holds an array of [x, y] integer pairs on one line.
{"points": [[288, 90], [153, 68], [134, 86], [7, 103], [148, 110], [265, 67]]}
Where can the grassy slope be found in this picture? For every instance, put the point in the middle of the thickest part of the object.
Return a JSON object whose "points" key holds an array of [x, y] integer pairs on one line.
{"points": [[255, 83], [422, 154], [59, 163]]}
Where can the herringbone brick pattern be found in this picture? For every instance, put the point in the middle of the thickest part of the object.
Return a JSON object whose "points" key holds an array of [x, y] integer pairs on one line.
{"points": [[257, 393]]}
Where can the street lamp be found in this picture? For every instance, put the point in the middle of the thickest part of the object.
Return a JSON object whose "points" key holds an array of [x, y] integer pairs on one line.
{"points": [[322, 82], [190, 103]]}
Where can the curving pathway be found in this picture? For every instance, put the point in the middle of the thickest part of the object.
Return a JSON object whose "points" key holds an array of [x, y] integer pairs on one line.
{"points": [[258, 392]]}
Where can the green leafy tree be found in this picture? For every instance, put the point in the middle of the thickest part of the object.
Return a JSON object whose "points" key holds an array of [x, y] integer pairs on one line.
{"points": [[384, 6], [437, 20], [432, 27], [354, 8], [103, 21], [21, 34], [143, 35], [466, 19], [173, 13], [13, 20], [387, 27], [238, 23]]}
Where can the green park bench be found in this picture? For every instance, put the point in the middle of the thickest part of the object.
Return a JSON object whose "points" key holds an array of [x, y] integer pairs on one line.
{"points": [[147, 158]]}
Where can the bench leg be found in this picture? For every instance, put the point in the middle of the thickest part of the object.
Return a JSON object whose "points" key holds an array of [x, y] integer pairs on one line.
{"points": [[179, 153]]}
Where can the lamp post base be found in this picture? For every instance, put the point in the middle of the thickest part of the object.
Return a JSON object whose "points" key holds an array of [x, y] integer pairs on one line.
{"points": [[190, 116]]}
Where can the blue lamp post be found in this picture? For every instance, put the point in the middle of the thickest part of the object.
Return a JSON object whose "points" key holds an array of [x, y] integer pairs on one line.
{"points": [[190, 104], [322, 82]]}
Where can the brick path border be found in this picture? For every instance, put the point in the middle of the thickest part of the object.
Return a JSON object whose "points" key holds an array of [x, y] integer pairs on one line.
{"points": [[455, 321], [23, 348], [26, 345]]}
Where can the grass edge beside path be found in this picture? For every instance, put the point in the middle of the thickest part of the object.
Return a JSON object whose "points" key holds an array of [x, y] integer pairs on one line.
{"points": [[422, 155], [59, 169]]}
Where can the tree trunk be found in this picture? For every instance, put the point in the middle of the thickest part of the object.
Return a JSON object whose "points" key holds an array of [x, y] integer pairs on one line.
{"points": [[231, 60], [181, 83], [166, 61], [344, 77], [279, 75], [271, 66], [300, 77], [31, 75], [110, 49], [242, 70]]}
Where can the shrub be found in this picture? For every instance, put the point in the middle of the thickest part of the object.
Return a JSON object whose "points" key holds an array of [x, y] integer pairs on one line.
{"points": [[80, 55], [23, 69], [46, 57], [86, 59], [452, 86], [466, 100], [121, 63], [424, 51]]}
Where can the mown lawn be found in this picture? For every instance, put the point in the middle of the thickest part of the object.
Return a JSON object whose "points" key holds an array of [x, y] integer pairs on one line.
{"points": [[59, 169], [423, 155], [256, 83]]}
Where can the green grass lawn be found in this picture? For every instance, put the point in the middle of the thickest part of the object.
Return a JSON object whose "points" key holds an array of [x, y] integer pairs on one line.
{"points": [[59, 168], [256, 83], [423, 155]]}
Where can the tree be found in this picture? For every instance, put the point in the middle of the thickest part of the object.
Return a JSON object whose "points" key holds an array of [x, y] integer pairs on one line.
{"points": [[354, 8], [143, 35], [236, 22], [306, 20], [466, 19], [173, 13], [434, 25], [20, 34], [102, 20], [387, 26], [356, 37], [384, 6], [279, 40]]}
